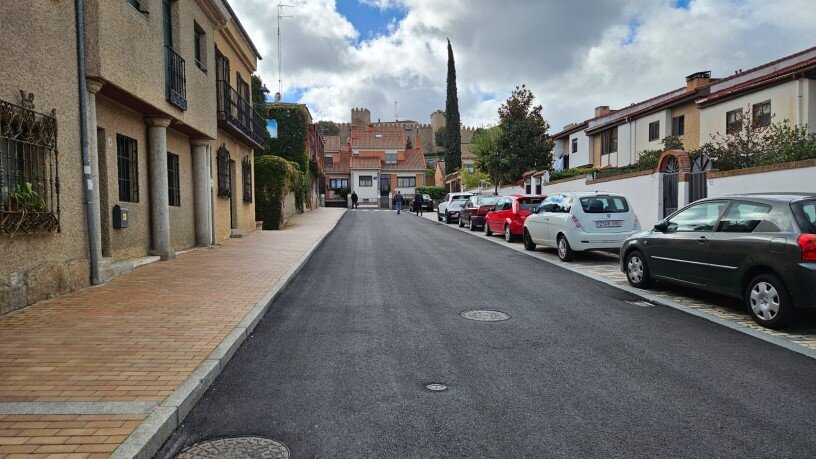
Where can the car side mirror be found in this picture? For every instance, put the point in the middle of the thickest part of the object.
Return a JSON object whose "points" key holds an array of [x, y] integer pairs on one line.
{"points": [[662, 226]]}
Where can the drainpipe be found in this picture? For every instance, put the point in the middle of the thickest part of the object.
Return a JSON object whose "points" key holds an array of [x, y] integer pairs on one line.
{"points": [[83, 135], [799, 108]]}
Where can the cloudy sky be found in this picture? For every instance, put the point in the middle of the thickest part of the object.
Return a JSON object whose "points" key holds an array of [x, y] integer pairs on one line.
{"points": [[573, 54]]}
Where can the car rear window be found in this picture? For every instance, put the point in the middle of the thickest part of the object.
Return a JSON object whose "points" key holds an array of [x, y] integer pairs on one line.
{"points": [[461, 197], [805, 212], [604, 204], [529, 203], [488, 200]]}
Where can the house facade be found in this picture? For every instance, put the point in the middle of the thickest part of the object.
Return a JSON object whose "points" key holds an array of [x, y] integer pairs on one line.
{"points": [[154, 126]]}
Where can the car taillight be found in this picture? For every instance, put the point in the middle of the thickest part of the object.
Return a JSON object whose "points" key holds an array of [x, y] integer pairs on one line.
{"points": [[576, 223], [637, 224], [808, 244]]}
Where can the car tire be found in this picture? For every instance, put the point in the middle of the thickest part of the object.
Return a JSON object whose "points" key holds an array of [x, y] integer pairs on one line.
{"points": [[637, 271], [528, 241], [508, 235], [487, 231], [461, 222], [438, 217], [769, 302], [447, 218], [565, 252], [471, 225]]}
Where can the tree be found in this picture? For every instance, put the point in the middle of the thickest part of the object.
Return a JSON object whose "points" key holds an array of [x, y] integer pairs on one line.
{"points": [[328, 128], [408, 144], [439, 137], [258, 96], [453, 139], [524, 143], [471, 180], [484, 145]]}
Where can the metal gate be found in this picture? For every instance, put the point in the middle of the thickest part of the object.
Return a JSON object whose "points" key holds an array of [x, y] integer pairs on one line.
{"points": [[698, 178], [670, 177]]}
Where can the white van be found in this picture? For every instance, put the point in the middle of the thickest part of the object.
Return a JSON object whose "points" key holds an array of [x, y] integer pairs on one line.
{"points": [[574, 222]]}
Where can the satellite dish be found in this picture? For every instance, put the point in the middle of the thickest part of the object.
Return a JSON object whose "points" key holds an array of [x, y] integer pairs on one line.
{"points": [[277, 97]]}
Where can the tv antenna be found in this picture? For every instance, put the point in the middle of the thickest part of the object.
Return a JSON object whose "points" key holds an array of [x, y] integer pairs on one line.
{"points": [[396, 113], [281, 6]]}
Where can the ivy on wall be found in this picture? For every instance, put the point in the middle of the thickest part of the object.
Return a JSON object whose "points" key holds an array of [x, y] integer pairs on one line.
{"points": [[291, 140], [274, 177]]}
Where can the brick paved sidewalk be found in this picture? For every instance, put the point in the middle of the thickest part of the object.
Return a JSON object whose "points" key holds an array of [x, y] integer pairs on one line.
{"points": [[79, 373]]}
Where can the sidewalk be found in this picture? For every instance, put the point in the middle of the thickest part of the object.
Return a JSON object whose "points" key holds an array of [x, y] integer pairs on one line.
{"points": [[84, 372], [800, 337]]}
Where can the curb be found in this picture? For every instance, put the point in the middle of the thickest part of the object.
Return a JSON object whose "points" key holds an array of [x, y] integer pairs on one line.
{"points": [[781, 342], [151, 434]]}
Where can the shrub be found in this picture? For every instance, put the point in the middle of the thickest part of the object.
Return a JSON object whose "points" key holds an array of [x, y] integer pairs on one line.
{"points": [[578, 171], [435, 192], [274, 177]]}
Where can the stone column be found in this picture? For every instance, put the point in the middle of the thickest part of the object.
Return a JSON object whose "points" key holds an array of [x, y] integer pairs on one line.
{"points": [[93, 86], [201, 192], [159, 199]]}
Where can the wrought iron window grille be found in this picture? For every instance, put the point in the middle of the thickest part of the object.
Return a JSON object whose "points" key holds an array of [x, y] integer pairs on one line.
{"points": [[246, 170], [29, 169], [223, 171], [176, 80]]}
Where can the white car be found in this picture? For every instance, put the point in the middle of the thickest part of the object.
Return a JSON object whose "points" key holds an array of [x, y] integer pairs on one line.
{"points": [[448, 209], [574, 222]]}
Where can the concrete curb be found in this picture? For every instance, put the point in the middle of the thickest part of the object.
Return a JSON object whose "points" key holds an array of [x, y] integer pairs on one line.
{"points": [[151, 434], [782, 342]]}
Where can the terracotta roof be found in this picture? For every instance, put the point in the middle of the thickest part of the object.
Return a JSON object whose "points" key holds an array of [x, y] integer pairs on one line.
{"points": [[378, 139], [414, 161], [365, 163], [573, 128], [646, 107], [333, 143], [340, 163]]}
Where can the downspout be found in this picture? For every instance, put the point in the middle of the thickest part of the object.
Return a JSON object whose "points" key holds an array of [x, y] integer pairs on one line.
{"points": [[83, 136], [212, 198], [799, 108]]}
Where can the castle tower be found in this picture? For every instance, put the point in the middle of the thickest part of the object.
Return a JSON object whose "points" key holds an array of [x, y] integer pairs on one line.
{"points": [[437, 120], [360, 117]]}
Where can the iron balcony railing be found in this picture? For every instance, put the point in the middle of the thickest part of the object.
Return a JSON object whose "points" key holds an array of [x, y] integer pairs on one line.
{"points": [[175, 79], [238, 113]]}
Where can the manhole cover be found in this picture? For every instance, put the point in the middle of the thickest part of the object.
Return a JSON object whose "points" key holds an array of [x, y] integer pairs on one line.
{"points": [[642, 304], [236, 448], [485, 315], [436, 387]]}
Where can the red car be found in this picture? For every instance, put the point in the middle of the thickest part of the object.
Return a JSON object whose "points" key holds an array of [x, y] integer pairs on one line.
{"points": [[508, 215]]}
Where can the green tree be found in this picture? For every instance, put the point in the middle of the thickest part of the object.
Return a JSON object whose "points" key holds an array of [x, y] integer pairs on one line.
{"points": [[258, 96], [471, 180], [484, 145], [524, 143], [439, 137], [453, 139], [328, 128], [408, 144]]}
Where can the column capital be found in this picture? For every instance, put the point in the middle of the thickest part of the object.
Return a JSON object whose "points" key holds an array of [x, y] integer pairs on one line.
{"points": [[202, 142], [94, 85], [158, 121]]}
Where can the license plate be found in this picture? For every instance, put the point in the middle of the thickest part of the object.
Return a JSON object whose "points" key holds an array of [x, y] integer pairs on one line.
{"points": [[609, 224]]}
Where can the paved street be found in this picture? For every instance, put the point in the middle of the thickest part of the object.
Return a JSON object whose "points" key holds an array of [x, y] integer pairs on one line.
{"points": [[338, 367]]}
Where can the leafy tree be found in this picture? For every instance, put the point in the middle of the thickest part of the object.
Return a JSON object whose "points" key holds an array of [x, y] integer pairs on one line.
{"points": [[328, 128], [473, 179], [439, 137], [258, 96], [524, 143], [484, 145], [453, 139]]}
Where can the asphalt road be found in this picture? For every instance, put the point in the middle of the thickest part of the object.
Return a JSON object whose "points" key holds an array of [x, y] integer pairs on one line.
{"points": [[338, 366]]}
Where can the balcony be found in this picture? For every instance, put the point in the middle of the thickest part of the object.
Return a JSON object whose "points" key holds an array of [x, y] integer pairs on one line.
{"points": [[235, 114], [175, 79]]}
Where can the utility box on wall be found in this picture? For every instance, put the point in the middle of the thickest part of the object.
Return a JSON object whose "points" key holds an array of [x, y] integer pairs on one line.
{"points": [[120, 217]]}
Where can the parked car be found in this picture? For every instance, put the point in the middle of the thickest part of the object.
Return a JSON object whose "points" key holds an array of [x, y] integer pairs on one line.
{"points": [[448, 209], [575, 222], [757, 247], [474, 211], [508, 215], [427, 203]]}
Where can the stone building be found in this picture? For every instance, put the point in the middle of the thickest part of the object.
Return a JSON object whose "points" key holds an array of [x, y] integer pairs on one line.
{"points": [[161, 109]]}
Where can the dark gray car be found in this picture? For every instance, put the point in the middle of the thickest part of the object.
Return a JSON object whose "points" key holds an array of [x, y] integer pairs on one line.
{"points": [[758, 247]]}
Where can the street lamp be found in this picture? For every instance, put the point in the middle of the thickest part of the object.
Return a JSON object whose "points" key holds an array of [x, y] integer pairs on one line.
{"points": [[496, 172]]}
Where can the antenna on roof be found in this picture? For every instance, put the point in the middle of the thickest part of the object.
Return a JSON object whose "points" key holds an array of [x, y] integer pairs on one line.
{"points": [[396, 113], [281, 6]]}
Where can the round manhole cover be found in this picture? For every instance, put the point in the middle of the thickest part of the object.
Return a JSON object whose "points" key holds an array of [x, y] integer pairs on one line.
{"points": [[236, 448], [485, 315], [436, 387]]}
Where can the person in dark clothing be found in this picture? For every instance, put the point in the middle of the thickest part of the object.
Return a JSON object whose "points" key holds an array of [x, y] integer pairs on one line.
{"points": [[418, 201], [353, 200], [398, 200]]}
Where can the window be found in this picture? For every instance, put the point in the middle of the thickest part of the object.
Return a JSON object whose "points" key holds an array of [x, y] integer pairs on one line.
{"points": [[604, 204], [556, 203], [609, 141], [566, 162], [246, 173], [761, 114], [199, 47], [507, 204], [470, 168], [328, 162], [222, 163], [390, 158], [743, 217], [805, 213], [574, 147], [338, 183], [128, 165], [733, 121], [700, 217], [528, 187], [406, 182], [529, 203], [173, 186], [366, 180], [654, 130], [679, 125]]}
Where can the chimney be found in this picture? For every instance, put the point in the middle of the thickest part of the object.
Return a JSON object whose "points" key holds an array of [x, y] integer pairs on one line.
{"points": [[416, 141], [602, 110], [698, 80]]}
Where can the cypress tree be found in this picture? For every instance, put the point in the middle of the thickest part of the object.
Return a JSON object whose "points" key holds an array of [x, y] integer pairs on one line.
{"points": [[453, 139]]}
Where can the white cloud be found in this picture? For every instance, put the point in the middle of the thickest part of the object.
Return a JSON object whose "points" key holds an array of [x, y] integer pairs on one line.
{"points": [[573, 55]]}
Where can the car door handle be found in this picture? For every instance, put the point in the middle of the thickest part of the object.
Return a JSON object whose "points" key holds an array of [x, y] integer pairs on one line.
{"points": [[702, 239]]}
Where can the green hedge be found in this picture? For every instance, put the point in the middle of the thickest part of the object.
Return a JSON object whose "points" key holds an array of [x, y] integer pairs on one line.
{"points": [[274, 177], [578, 171], [435, 192]]}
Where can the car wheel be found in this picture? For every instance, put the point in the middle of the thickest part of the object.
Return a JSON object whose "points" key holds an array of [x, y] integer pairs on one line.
{"points": [[768, 301], [471, 225], [447, 218], [508, 235], [438, 217], [637, 271], [528, 241], [487, 231], [565, 252], [461, 222]]}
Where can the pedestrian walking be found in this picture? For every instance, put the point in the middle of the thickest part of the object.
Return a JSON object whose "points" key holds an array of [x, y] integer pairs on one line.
{"points": [[398, 200], [418, 201], [353, 200]]}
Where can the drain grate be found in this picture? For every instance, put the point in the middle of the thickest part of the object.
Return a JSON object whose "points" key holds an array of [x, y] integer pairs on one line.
{"points": [[485, 315], [642, 304], [436, 387], [236, 448]]}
